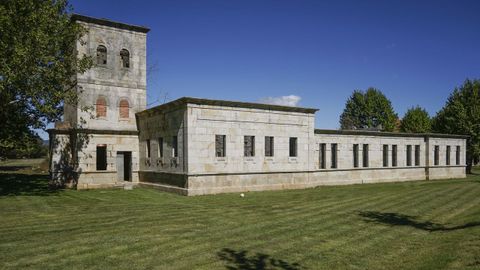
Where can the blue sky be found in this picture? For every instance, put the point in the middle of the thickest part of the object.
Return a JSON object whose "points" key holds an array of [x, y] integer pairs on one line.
{"points": [[415, 52]]}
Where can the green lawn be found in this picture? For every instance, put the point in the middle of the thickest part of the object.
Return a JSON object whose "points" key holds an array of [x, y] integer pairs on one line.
{"points": [[416, 225]]}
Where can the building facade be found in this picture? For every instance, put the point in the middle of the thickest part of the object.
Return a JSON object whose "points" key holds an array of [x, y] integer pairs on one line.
{"points": [[197, 146], [97, 144]]}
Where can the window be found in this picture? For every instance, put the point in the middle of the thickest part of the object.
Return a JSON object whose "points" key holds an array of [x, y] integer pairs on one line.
{"points": [[409, 155], [101, 107], [101, 55], [101, 157], [124, 109], [385, 155], [160, 147], [365, 155], [394, 155], [436, 155], [148, 149], [125, 56], [293, 147], [417, 155], [269, 152], [355, 155], [457, 155], [220, 145], [322, 155], [174, 146], [249, 146], [447, 155], [333, 160]]}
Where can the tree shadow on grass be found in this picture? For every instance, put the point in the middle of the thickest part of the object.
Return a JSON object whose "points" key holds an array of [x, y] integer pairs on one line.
{"points": [[13, 184], [395, 219], [240, 260]]}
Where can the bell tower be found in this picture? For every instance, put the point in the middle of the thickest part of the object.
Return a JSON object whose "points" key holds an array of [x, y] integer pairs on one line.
{"points": [[97, 145], [115, 88]]}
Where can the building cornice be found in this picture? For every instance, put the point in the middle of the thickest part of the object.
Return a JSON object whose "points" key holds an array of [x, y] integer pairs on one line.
{"points": [[93, 131], [106, 22], [224, 103], [388, 134]]}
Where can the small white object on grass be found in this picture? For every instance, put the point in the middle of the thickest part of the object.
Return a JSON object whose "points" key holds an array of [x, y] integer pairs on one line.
{"points": [[242, 195]]}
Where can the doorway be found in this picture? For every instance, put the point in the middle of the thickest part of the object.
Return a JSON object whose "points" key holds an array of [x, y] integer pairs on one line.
{"points": [[124, 166]]}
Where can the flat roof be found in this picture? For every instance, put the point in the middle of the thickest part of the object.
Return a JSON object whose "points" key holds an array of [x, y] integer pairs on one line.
{"points": [[225, 103], [388, 134], [110, 23]]}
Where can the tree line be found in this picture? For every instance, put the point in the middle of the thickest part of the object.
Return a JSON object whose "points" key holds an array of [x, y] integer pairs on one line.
{"points": [[372, 110]]}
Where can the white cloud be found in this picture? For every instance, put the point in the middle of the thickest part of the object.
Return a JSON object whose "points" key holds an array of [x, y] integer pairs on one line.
{"points": [[291, 100]]}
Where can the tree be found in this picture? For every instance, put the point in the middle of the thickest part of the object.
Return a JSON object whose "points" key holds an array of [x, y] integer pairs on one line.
{"points": [[416, 120], [461, 115], [368, 110], [37, 63], [30, 147]]}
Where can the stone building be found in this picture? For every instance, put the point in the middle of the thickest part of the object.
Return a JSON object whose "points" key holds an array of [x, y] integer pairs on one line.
{"points": [[102, 142], [195, 146]]}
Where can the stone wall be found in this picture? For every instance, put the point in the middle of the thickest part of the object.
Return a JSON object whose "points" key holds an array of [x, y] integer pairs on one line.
{"points": [[89, 176], [202, 171], [224, 183], [344, 172], [163, 125], [82, 165], [442, 170], [206, 121], [111, 81], [375, 147]]}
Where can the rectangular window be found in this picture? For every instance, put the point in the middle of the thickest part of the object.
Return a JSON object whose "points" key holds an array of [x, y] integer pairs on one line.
{"points": [[447, 155], [355, 155], [457, 155], [220, 148], [385, 155], [249, 146], [174, 146], [148, 149], [436, 155], [394, 155], [269, 152], [322, 157], [160, 147], [293, 147], [417, 155], [365, 155], [101, 157], [409, 155], [334, 148]]}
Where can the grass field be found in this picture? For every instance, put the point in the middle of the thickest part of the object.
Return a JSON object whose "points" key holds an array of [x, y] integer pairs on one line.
{"points": [[416, 225]]}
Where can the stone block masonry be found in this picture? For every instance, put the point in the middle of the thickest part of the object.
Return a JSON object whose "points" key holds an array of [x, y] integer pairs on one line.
{"points": [[194, 146], [321, 157]]}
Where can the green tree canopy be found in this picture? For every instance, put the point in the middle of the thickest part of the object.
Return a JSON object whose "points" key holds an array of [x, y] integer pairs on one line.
{"points": [[368, 110], [416, 120], [461, 115], [38, 62]]}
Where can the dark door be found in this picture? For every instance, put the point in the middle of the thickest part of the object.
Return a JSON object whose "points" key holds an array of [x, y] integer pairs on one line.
{"points": [[127, 166], [124, 166]]}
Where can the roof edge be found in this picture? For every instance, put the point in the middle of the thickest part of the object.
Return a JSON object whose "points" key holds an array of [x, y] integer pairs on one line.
{"points": [[225, 103], [110, 23], [388, 134]]}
